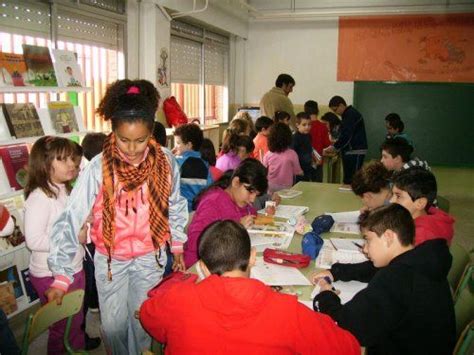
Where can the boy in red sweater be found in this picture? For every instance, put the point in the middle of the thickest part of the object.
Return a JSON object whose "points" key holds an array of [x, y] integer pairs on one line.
{"points": [[415, 189], [319, 133], [229, 313]]}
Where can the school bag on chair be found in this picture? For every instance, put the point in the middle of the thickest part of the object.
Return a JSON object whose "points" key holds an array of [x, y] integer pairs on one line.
{"points": [[175, 115]]}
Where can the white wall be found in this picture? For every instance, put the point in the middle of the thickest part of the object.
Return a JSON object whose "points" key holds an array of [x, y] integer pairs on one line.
{"points": [[305, 50]]}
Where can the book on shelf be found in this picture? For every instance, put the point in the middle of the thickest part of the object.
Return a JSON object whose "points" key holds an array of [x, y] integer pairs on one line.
{"points": [[13, 70], [40, 66], [10, 274], [22, 120], [15, 161], [68, 72], [63, 117]]}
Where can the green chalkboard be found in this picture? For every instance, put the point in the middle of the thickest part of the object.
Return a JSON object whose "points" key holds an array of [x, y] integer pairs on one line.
{"points": [[438, 117]]}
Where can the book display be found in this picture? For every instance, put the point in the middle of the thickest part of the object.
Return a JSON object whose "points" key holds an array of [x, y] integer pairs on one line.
{"points": [[40, 66], [63, 118], [15, 161], [21, 124], [13, 70], [68, 72], [23, 120]]}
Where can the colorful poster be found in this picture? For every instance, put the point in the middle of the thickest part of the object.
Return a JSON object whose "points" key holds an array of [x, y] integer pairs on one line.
{"points": [[421, 48]]}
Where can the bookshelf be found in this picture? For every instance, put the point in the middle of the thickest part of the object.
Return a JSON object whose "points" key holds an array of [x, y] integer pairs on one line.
{"points": [[19, 256], [41, 89]]}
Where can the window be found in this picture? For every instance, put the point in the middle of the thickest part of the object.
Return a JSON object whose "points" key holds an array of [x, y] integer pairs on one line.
{"points": [[199, 67], [96, 42]]}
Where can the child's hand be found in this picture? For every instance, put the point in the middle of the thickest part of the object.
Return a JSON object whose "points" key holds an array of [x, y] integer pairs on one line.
{"points": [[276, 198], [178, 263], [54, 294], [317, 277], [83, 234], [247, 221]]}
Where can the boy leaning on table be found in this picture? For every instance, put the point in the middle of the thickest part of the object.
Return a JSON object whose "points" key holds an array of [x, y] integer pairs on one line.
{"points": [[407, 306], [230, 313]]}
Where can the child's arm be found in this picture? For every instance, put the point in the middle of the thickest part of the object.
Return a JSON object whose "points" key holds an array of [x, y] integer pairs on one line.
{"points": [[64, 240], [318, 331], [363, 272], [178, 212], [374, 311]]}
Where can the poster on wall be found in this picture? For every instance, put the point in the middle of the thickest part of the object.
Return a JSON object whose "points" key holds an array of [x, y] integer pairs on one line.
{"points": [[162, 74], [410, 48]]}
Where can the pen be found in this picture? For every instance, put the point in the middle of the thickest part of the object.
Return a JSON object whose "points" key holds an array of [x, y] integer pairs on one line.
{"points": [[360, 246], [329, 281]]}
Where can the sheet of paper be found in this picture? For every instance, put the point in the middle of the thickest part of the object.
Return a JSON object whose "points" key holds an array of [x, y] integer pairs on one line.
{"points": [[345, 217], [279, 236], [347, 289], [328, 256], [289, 193], [349, 244], [261, 242], [348, 228], [286, 211], [277, 275]]}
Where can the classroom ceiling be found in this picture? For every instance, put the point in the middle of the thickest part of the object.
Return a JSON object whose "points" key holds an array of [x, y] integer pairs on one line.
{"points": [[256, 10]]}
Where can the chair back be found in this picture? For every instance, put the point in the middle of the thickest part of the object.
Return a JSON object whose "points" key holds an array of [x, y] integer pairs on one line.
{"points": [[465, 344], [51, 313], [460, 260], [464, 300]]}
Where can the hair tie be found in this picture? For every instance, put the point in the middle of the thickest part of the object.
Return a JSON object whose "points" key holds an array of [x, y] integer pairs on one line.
{"points": [[133, 90]]}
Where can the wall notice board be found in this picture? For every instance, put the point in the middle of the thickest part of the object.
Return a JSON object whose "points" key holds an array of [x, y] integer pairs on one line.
{"points": [[439, 118]]}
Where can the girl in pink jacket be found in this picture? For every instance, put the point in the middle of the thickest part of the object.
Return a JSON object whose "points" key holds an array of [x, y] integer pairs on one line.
{"points": [[230, 197], [51, 168]]}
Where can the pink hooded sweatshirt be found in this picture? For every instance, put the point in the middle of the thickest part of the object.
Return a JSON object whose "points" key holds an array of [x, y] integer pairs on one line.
{"points": [[215, 205]]}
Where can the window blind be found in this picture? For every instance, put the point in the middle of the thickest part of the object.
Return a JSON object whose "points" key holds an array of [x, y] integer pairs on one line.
{"points": [[24, 18], [185, 61]]}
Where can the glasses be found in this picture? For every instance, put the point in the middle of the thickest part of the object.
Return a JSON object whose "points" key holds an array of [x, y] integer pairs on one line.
{"points": [[251, 189]]}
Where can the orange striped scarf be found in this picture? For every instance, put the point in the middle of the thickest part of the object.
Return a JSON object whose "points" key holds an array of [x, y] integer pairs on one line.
{"points": [[154, 171]]}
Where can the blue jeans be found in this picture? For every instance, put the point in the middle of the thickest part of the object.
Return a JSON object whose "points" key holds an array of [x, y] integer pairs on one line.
{"points": [[122, 297], [8, 344]]}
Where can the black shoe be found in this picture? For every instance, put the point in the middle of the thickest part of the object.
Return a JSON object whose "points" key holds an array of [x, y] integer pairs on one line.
{"points": [[92, 343]]}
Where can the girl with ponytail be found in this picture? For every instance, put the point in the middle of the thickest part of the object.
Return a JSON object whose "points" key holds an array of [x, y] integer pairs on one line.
{"points": [[132, 190]]}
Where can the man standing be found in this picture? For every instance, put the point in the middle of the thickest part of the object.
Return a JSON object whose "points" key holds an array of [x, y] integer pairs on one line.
{"points": [[277, 98], [352, 142]]}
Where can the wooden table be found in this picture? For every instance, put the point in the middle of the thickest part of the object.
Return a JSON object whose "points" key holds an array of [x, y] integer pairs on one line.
{"points": [[320, 198]]}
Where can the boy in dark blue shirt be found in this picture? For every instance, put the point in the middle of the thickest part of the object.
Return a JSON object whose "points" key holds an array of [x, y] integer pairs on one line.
{"points": [[301, 144]]}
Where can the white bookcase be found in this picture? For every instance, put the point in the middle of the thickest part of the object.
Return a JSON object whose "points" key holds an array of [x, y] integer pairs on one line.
{"points": [[19, 256]]}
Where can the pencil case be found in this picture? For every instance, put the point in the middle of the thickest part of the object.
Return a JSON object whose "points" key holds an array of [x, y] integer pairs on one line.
{"points": [[285, 258]]}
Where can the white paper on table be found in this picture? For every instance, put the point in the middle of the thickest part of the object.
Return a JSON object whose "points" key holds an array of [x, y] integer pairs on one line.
{"points": [[278, 235], [261, 242], [345, 217], [277, 275], [347, 244], [287, 211], [347, 289], [289, 193], [342, 227], [329, 256]]}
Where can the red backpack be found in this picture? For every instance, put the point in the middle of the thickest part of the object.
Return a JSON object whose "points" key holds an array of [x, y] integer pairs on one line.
{"points": [[175, 115]]}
